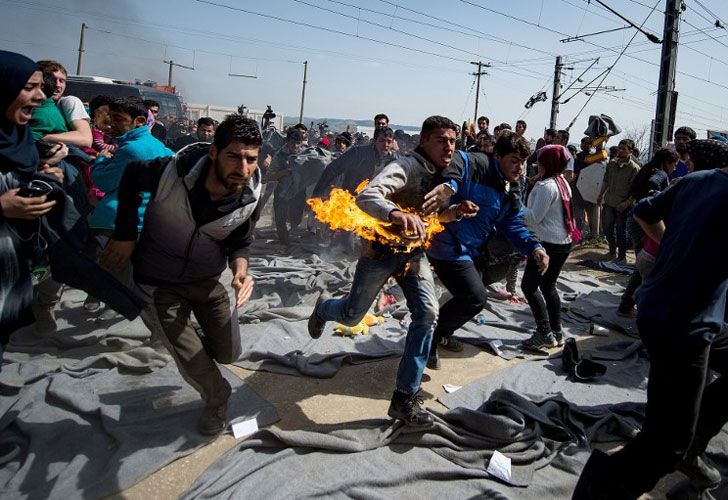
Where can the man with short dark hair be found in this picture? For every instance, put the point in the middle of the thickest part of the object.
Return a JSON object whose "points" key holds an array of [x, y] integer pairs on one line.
{"points": [[203, 209], [159, 131], [342, 143], [204, 133], [134, 143], [358, 163], [303, 129], [681, 137], [549, 136], [521, 127], [496, 206], [396, 196], [483, 123], [615, 198], [381, 121]]}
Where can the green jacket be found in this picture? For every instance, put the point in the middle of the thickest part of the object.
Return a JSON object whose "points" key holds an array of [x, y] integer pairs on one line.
{"points": [[47, 119]]}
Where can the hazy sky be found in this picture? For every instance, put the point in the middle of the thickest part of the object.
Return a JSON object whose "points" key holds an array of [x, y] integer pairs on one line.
{"points": [[363, 65]]}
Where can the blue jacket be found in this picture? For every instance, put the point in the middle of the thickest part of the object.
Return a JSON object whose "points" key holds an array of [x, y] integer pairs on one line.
{"points": [[483, 184], [135, 145]]}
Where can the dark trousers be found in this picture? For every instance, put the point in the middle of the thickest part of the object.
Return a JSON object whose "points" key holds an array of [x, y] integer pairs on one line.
{"points": [[540, 289], [469, 295], [614, 224], [684, 411], [196, 358], [288, 210]]}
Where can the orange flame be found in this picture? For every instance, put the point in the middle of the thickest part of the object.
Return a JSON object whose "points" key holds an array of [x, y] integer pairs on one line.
{"points": [[341, 212]]}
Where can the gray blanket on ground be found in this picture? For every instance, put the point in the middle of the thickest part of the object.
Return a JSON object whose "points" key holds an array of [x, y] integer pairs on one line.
{"points": [[275, 336], [546, 437], [95, 410]]}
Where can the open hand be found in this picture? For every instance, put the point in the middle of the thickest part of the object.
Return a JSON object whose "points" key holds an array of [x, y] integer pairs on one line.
{"points": [[542, 260], [437, 198], [243, 286]]}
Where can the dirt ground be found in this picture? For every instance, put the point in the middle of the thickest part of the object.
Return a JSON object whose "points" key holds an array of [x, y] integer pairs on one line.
{"points": [[356, 392]]}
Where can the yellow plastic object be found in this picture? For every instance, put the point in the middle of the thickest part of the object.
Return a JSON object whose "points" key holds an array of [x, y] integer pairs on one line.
{"points": [[372, 320], [596, 157], [601, 153], [350, 331]]}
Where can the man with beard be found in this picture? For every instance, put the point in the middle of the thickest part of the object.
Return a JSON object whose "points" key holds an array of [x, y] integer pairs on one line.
{"points": [[201, 216], [682, 136]]}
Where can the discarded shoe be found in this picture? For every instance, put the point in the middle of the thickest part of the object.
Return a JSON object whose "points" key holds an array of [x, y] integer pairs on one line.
{"points": [[408, 409], [581, 367]]}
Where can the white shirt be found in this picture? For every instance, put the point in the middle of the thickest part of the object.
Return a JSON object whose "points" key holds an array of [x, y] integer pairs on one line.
{"points": [[544, 214], [72, 108]]}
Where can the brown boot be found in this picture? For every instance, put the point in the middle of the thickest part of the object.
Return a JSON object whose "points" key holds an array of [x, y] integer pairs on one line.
{"points": [[213, 419]]}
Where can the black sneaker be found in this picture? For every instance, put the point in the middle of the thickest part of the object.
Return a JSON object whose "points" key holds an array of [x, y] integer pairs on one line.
{"points": [[702, 474], [433, 362], [315, 324], [559, 338], [406, 407], [450, 344], [539, 341], [213, 419]]}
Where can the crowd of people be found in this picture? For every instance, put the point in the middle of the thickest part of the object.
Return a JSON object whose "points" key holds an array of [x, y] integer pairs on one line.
{"points": [[161, 222]]}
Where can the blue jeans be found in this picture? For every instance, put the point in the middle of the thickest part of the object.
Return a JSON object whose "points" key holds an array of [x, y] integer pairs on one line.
{"points": [[412, 272]]}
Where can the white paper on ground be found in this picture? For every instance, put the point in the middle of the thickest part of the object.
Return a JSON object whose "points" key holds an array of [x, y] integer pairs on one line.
{"points": [[245, 428], [450, 388], [500, 466], [496, 345]]}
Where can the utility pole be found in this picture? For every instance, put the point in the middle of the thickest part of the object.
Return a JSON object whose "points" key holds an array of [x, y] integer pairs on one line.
{"points": [[171, 65], [81, 48], [478, 74], [556, 93], [303, 90], [666, 94]]}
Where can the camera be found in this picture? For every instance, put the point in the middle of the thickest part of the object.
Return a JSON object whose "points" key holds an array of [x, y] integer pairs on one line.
{"points": [[269, 114], [46, 149], [35, 188]]}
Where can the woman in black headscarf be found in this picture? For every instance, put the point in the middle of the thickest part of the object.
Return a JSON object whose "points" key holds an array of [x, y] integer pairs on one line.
{"points": [[20, 93]]}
